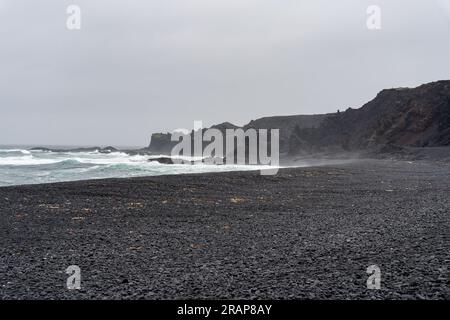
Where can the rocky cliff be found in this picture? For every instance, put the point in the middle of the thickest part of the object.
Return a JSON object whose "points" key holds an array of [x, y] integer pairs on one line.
{"points": [[405, 117], [161, 143], [418, 117]]}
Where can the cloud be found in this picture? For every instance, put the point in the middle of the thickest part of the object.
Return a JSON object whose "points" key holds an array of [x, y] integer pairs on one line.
{"points": [[138, 66]]}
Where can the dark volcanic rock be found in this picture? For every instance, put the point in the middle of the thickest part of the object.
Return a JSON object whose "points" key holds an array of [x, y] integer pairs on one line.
{"points": [[108, 150], [287, 125], [306, 233], [161, 143], [88, 149], [168, 160], [162, 160], [418, 117]]}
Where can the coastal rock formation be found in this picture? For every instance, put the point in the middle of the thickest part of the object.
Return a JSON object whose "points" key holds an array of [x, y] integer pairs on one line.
{"points": [[287, 125], [108, 149], [169, 160], [402, 117], [161, 142], [418, 117], [162, 160], [394, 120]]}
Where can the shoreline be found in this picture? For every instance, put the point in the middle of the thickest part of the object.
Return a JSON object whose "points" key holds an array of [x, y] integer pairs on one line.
{"points": [[323, 162], [306, 233], [131, 178], [318, 163], [28, 169]]}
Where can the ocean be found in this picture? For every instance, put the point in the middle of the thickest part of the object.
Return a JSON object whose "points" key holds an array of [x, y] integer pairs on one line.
{"points": [[20, 165]]}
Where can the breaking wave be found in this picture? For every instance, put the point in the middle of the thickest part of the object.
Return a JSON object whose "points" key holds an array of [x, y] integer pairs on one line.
{"points": [[20, 166]]}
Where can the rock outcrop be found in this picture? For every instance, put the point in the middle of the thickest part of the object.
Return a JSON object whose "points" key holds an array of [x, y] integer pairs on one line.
{"points": [[108, 149], [161, 142], [418, 117], [403, 117]]}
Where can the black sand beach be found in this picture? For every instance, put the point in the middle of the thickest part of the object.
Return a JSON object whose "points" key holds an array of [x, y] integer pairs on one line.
{"points": [[304, 233]]}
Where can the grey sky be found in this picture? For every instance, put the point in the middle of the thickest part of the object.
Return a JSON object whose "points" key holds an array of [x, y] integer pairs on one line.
{"points": [[137, 66]]}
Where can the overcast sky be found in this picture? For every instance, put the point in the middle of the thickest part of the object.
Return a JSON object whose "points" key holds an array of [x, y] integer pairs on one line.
{"points": [[138, 67]]}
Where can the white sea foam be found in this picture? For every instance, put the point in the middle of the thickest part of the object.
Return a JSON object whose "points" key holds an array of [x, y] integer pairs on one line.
{"points": [[28, 160], [15, 151], [19, 166]]}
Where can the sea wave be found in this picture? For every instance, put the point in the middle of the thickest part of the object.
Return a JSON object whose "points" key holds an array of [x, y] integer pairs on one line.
{"points": [[13, 159], [18, 157], [28, 160], [18, 166], [9, 152]]}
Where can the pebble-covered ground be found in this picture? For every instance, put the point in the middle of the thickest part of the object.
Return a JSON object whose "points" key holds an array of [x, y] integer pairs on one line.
{"points": [[304, 233]]}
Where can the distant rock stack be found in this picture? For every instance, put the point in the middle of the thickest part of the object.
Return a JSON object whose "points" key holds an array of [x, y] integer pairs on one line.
{"points": [[161, 143]]}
